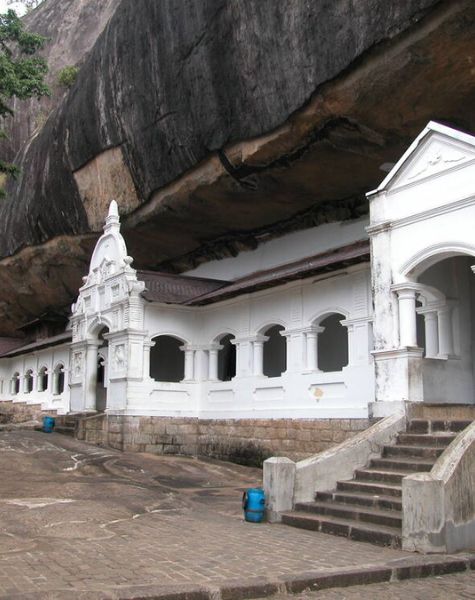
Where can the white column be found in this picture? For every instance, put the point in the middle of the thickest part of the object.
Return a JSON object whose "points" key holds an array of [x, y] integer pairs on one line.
{"points": [[146, 358], [189, 363], [311, 341], [213, 363], [295, 352], [446, 338], [243, 358], [312, 350], [407, 318], [90, 376], [258, 355], [431, 328], [34, 386]]}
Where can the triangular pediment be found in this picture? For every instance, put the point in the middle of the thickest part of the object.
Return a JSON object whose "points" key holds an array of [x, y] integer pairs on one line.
{"points": [[436, 150]]}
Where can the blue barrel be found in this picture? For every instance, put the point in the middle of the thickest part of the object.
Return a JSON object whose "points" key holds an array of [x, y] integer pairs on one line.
{"points": [[48, 424], [254, 505]]}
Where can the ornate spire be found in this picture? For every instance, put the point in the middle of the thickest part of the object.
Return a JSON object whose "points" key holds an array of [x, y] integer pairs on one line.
{"points": [[112, 220]]}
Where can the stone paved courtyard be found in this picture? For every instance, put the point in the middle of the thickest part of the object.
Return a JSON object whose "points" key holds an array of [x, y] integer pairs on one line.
{"points": [[449, 587], [76, 519]]}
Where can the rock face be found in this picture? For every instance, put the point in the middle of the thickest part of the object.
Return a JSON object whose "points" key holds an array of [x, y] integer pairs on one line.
{"points": [[215, 122], [71, 28]]}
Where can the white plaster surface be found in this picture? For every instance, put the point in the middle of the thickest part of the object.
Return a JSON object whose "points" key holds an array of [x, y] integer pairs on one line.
{"points": [[282, 250]]}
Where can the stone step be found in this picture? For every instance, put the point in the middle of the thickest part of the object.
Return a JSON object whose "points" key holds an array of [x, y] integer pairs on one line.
{"points": [[380, 475], [369, 487], [361, 499], [455, 426], [391, 518], [443, 412], [431, 426], [364, 532], [64, 430], [439, 440], [409, 464], [416, 451]]}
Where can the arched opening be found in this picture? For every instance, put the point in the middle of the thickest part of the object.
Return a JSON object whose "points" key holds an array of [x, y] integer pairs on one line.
{"points": [[15, 383], [420, 327], [227, 358], [167, 359], [28, 381], [101, 373], [58, 379], [446, 329], [274, 352], [332, 344], [43, 379]]}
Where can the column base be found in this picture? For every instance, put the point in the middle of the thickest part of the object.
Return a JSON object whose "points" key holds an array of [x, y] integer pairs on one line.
{"points": [[398, 375]]}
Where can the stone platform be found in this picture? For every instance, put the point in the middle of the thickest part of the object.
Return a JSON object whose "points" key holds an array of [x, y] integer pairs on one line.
{"points": [[85, 522]]}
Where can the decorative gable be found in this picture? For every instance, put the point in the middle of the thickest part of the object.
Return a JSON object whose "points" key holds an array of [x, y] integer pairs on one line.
{"points": [[111, 285], [437, 149]]}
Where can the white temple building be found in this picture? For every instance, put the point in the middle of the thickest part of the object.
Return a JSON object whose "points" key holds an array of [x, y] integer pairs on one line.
{"points": [[342, 322]]}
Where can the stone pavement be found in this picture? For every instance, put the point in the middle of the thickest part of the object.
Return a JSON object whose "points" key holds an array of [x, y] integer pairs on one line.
{"points": [[77, 521], [448, 587]]}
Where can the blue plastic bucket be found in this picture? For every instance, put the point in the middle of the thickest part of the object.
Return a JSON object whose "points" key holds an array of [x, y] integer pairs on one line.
{"points": [[254, 505], [48, 424]]}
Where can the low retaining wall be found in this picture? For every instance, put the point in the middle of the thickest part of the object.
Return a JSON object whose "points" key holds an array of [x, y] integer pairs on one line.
{"points": [[21, 412], [439, 506], [244, 441]]}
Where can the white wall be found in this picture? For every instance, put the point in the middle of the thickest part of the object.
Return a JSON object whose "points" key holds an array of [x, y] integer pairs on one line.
{"points": [[285, 249], [300, 391], [421, 215], [48, 358]]}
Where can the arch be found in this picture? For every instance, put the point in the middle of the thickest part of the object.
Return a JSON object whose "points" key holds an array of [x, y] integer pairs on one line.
{"points": [[58, 379], [167, 359], [261, 330], [332, 351], [226, 357], [15, 383], [274, 358], [97, 325], [42, 385], [423, 259], [170, 334], [321, 315], [428, 294], [215, 339], [28, 381]]}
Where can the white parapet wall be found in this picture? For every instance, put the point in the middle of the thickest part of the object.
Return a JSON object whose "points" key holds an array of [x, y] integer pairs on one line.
{"points": [[439, 507], [286, 483]]}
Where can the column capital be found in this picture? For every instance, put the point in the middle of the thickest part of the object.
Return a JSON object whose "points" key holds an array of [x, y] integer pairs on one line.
{"points": [[404, 292], [90, 344], [249, 338]]}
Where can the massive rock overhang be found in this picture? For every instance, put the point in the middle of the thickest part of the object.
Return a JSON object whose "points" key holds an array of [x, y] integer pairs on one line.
{"points": [[314, 168]]}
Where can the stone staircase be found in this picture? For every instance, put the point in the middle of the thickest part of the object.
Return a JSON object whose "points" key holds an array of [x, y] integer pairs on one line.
{"points": [[369, 507], [69, 424]]}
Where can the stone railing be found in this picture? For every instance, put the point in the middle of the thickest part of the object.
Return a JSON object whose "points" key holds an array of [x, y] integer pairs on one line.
{"points": [[439, 507], [287, 482]]}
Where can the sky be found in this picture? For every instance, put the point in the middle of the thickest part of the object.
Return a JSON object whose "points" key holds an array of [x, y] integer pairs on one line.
{"points": [[17, 6]]}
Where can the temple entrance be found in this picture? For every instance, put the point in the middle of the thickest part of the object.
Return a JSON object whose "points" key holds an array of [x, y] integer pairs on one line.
{"points": [[445, 308], [102, 372]]}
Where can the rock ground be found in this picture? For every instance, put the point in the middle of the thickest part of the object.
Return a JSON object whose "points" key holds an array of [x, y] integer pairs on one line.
{"points": [[78, 521]]}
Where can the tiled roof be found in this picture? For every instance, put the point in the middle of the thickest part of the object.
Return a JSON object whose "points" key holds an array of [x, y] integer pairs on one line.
{"points": [[62, 338], [306, 267], [7, 344], [175, 289]]}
